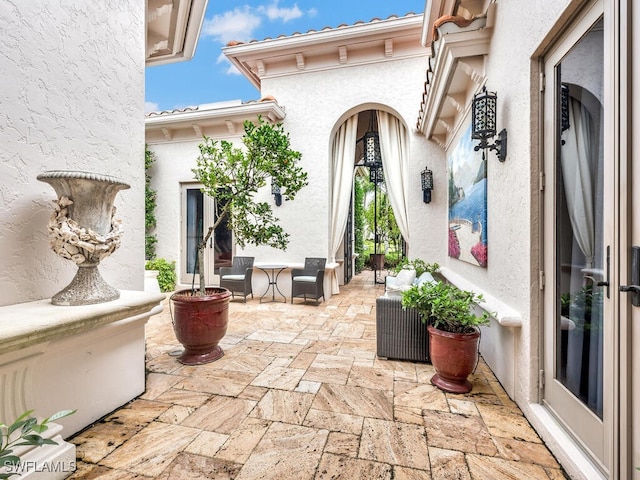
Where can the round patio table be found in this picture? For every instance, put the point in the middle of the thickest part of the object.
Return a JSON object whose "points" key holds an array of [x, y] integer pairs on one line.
{"points": [[272, 272]]}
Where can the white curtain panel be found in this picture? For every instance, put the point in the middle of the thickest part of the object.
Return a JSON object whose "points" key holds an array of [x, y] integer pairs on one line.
{"points": [[578, 184], [343, 154], [395, 162]]}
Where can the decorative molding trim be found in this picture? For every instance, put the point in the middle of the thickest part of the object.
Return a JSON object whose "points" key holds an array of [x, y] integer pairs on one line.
{"points": [[456, 70], [342, 52], [388, 47]]}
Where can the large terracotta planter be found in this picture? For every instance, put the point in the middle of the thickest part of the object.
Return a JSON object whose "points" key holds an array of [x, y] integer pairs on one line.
{"points": [[200, 322], [454, 357]]}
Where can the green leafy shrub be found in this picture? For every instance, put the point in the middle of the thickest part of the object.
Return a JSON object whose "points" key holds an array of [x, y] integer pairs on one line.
{"points": [[445, 306], [167, 273], [417, 264], [150, 202], [25, 430]]}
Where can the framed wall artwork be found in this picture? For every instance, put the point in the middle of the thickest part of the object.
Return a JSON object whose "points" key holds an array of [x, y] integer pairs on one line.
{"points": [[467, 174]]}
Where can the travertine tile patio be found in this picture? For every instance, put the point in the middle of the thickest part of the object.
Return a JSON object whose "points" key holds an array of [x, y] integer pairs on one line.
{"points": [[300, 394]]}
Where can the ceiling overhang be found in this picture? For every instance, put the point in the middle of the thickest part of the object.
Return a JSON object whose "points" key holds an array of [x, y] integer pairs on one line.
{"points": [[224, 117], [455, 73], [330, 48], [173, 28]]}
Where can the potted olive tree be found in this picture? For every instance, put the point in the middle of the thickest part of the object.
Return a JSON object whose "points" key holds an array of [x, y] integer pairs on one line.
{"points": [[233, 176], [453, 331]]}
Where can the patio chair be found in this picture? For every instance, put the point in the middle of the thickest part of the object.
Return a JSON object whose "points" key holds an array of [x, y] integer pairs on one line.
{"points": [[237, 278], [308, 281]]}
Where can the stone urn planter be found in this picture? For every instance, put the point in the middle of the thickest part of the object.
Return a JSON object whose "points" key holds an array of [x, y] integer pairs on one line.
{"points": [[200, 322], [83, 229]]}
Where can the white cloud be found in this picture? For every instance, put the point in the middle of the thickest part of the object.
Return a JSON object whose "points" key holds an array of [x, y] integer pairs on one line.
{"points": [[273, 12], [231, 69], [312, 12], [150, 107], [237, 24]]}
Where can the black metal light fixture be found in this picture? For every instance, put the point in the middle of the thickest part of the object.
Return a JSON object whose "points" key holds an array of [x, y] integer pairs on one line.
{"points": [[376, 175], [483, 124], [426, 179], [371, 141], [276, 192], [564, 107]]}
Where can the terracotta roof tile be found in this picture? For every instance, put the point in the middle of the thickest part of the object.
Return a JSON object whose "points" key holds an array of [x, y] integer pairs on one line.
{"points": [[233, 43]]}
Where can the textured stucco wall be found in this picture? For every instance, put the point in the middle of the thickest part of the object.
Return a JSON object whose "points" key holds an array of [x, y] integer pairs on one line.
{"points": [[72, 98]]}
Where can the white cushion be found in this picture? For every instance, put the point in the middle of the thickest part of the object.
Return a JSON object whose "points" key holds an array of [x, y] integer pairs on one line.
{"points": [[305, 278], [401, 282], [233, 277], [424, 278]]}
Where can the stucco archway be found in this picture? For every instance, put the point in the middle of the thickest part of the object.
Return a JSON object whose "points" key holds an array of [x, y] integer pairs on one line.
{"points": [[344, 157]]}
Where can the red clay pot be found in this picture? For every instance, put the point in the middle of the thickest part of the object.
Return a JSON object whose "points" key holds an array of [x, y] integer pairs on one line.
{"points": [[200, 322], [454, 356]]}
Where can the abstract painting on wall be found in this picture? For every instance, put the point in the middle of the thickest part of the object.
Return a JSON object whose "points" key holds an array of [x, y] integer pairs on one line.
{"points": [[467, 173]]}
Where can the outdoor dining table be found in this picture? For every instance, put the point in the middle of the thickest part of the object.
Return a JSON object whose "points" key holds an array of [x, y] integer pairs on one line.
{"points": [[272, 272]]}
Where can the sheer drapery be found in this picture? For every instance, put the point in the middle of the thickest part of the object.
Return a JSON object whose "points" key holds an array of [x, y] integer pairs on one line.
{"points": [[343, 153], [579, 157], [577, 153], [395, 162]]}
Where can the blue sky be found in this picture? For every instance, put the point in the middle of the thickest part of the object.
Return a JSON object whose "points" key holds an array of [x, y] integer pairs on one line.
{"points": [[209, 77]]}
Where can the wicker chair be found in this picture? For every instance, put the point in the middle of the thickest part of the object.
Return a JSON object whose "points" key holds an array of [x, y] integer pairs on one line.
{"points": [[237, 278], [309, 281]]}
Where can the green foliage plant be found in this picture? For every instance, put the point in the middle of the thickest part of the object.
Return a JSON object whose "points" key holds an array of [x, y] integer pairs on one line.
{"points": [[25, 430], [166, 273], [445, 306], [150, 202], [417, 264], [233, 176]]}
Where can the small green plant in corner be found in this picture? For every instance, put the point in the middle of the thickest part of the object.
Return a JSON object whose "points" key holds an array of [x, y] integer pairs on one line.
{"points": [[166, 273], [445, 306], [417, 264], [25, 430]]}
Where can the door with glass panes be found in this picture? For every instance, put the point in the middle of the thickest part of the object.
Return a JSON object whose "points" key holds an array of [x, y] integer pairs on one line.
{"points": [[579, 241], [198, 214]]}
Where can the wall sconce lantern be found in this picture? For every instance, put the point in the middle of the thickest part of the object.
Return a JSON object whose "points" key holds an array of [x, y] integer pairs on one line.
{"points": [[483, 124], [371, 140], [376, 175], [276, 192], [426, 179]]}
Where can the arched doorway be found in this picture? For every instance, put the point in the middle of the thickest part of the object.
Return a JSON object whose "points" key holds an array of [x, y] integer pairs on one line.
{"points": [[346, 156]]}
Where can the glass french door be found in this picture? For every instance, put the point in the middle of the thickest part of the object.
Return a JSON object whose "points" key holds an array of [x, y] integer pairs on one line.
{"points": [[579, 242], [198, 214]]}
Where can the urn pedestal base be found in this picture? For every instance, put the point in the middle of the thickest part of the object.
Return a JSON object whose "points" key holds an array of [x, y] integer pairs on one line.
{"points": [[86, 288]]}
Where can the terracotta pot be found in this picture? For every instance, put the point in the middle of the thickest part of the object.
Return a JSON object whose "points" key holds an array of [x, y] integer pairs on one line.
{"points": [[454, 356], [200, 322], [377, 261]]}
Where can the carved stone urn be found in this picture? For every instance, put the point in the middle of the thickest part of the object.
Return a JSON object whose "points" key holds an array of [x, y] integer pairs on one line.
{"points": [[83, 229]]}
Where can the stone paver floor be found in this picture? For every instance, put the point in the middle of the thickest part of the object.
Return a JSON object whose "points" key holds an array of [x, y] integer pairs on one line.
{"points": [[300, 394]]}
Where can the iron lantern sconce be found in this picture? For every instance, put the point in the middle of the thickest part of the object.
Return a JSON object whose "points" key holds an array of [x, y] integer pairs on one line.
{"points": [[426, 179], [276, 192], [376, 175], [483, 124]]}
